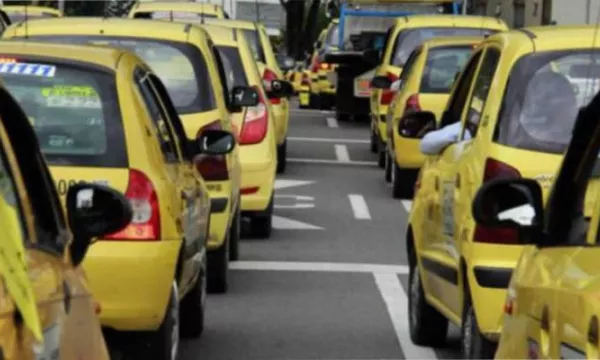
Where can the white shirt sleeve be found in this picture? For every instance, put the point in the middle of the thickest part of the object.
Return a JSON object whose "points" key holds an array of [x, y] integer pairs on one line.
{"points": [[435, 141]]}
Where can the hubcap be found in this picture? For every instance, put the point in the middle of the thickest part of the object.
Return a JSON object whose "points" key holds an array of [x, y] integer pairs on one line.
{"points": [[174, 313], [414, 297]]}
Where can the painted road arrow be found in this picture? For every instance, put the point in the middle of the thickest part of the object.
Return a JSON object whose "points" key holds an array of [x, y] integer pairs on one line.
{"points": [[283, 223]]}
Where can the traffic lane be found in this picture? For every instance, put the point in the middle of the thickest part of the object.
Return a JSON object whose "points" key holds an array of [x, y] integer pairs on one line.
{"points": [[292, 315], [307, 123], [343, 149]]}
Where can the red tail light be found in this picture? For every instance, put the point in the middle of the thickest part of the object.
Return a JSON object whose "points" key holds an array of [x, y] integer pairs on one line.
{"points": [[305, 80], [269, 76], [495, 169], [145, 224], [324, 66], [314, 67], [388, 94], [256, 122], [412, 104], [213, 168]]}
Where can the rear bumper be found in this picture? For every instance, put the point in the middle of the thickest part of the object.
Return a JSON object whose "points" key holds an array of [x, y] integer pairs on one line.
{"points": [[407, 153], [132, 281], [258, 174], [281, 116], [220, 212]]}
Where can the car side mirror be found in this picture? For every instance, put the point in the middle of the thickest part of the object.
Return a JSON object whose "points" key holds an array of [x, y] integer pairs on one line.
{"points": [[381, 82], [241, 97], [280, 89], [510, 204], [416, 124], [215, 142], [94, 210]]}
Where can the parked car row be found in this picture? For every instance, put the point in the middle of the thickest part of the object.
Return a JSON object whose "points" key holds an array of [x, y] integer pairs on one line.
{"points": [[156, 134]]}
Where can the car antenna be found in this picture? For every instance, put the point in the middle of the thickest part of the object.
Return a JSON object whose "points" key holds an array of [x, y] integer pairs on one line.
{"points": [[26, 23], [257, 15], [202, 13]]}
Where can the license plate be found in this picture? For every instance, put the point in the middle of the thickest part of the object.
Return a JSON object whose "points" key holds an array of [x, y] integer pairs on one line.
{"points": [[304, 98], [362, 88]]}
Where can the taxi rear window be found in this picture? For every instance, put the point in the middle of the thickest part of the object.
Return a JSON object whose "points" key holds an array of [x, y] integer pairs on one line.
{"points": [[441, 67], [254, 40], [74, 110], [234, 69], [173, 15], [20, 16], [180, 66]]}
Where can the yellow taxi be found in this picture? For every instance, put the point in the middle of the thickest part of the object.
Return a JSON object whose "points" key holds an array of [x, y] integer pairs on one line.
{"points": [[305, 82], [183, 56], [326, 79], [42, 283], [425, 84], [309, 82], [154, 270], [511, 113], [404, 37], [261, 46], [17, 13], [171, 10], [255, 126], [295, 77], [552, 307]]}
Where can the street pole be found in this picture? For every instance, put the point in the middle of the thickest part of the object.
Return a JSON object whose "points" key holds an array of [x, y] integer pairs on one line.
{"points": [[61, 6]]}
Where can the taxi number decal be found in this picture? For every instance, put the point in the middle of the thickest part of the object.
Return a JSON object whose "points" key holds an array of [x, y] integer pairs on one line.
{"points": [[448, 208], [63, 185], [28, 69]]}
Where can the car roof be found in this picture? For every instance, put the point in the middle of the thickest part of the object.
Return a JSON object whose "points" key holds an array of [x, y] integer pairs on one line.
{"points": [[221, 35], [239, 24], [547, 38], [199, 7], [443, 20], [104, 56], [155, 29], [452, 40], [34, 9]]}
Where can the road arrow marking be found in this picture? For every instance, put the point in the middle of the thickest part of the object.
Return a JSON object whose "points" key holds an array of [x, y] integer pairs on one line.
{"points": [[284, 183], [283, 223]]}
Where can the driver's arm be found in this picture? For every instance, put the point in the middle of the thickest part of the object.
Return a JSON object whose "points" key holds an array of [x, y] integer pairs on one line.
{"points": [[435, 141]]}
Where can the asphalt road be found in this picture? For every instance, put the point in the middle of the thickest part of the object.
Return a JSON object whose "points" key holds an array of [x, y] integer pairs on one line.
{"points": [[331, 282]]}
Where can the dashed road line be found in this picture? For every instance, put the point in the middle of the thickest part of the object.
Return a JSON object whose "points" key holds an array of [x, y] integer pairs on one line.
{"points": [[319, 267], [407, 204], [396, 301], [332, 122], [341, 153], [359, 207], [332, 140], [331, 162]]}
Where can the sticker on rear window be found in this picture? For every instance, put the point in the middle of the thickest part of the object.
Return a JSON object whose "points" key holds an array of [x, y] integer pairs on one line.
{"points": [[64, 96], [17, 68]]}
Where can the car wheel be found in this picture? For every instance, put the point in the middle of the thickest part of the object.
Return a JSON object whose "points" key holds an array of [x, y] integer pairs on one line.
{"points": [[234, 236], [261, 224], [401, 184], [388, 168], [282, 157], [373, 145], [192, 308], [381, 158], [314, 102], [427, 326], [473, 344], [218, 267]]}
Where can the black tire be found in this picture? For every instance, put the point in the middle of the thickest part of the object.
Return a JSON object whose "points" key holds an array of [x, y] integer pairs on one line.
{"points": [[282, 157], [427, 326], [261, 224], [388, 168], [342, 117], [218, 268], [234, 236], [192, 308], [373, 144], [472, 342], [381, 158], [314, 102], [402, 186]]}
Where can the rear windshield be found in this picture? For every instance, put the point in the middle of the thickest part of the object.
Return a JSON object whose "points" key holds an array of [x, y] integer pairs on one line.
{"points": [[543, 96], [408, 40], [441, 67], [234, 68], [333, 36], [254, 41], [180, 66], [74, 111], [20, 16], [173, 15]]}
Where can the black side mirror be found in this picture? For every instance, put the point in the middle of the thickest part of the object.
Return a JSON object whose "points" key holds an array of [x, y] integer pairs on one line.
{"points": [[243, 96], [280, 89], [215, 142], [511, 204], [94, 210], [381, 82], [416, 124]]}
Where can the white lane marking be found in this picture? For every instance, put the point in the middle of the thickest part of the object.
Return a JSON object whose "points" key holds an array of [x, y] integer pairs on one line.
{"points": [[283, 223], [341, 153], [331, 162], [319, 267], [407, 204], [310, 139], [396, 302], [285, 183], [297, 197], [331, 122], [359, 207], [300, 202]]}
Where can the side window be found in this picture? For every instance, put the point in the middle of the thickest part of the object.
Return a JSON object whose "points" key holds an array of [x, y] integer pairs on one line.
{"points": [[159, 117], [408, 67], [481, 89], [459, 97], [222, 73]]}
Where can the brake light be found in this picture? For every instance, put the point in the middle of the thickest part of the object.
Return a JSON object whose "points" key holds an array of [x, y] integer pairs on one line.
{"points": [[145, 223], [269, 76], [324, 66], [388, 94], [495, 169], [315, 64], [256, 122], [412, 104], [213, 168]]}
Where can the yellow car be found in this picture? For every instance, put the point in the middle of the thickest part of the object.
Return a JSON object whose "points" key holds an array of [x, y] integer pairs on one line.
{"points": [[43, 285], [512, 114], [256, 34], [183, 58], [78, 99], [172, 10], [17, 13], [305, 83], [404, 37], [295, 77], [326, 73], [255, 128], [426, 82], [552, 306]]}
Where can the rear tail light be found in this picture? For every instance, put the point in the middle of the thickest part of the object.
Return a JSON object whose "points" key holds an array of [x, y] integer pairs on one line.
{"points": [[248, 191], [145, 223], [305, 80], [269, 76], [315, 64], [256, 122], [412, 104], [324, 66], [388, 94], [495, 169], [213, 168]]}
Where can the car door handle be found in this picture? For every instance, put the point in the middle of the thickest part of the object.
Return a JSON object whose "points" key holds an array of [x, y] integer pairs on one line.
{"points": [[457, 181], [66, 296], [545, 321], [437, 183]]}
